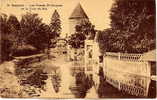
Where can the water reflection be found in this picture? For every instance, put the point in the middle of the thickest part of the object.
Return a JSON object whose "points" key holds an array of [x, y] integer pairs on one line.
{"points": [[56, 80], [81, 85]]}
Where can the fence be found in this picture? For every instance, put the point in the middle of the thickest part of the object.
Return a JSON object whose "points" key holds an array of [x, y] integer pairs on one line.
{"points": [[127, 73], [124, 56]]}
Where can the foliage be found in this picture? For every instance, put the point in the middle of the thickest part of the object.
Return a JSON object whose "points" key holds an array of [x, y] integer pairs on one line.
{"points": [[83, 31], [132, 27], [6, 49], [3, 24], [14, 32], [34, 31], [85, 27], [105, 40], [13, 24], [29, 31], [6, 40], [77, 40], [55, 25]]}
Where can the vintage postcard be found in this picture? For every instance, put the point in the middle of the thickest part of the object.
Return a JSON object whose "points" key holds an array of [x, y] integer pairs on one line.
{"points": [[78, 49]]}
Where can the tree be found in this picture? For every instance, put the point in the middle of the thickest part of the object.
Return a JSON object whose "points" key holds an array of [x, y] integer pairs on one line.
{"points": [[13, 22], [106, 41], [55, 25], [34, 31], [10, 28], [40, 39], [6, 44], [77, 40], [84, 30], [137, 23], [29, 24], [14, 31], [133, 26]]}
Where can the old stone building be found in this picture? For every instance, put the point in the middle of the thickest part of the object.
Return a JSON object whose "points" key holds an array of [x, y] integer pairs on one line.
{"points": [[78, 15]]}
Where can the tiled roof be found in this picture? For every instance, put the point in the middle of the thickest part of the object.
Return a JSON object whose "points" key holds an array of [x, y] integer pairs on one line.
{"points": [[78, 12]]}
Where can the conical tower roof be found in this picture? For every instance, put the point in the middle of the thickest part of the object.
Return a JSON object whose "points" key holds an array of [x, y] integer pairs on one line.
{"points": [[78, 13], [55, 15]]}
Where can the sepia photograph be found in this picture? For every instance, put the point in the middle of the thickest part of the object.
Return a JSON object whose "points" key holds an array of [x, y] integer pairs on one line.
{"points": [[70, 49]]}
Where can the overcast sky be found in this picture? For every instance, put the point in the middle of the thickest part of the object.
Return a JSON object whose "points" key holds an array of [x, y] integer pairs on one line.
{"points": [[96, 10]]}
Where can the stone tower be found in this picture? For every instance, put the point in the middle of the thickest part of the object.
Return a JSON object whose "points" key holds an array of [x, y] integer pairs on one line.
{"points": [[78, 15]]}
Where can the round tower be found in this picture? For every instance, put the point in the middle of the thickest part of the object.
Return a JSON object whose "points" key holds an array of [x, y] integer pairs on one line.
{"points": [[78, 15]]}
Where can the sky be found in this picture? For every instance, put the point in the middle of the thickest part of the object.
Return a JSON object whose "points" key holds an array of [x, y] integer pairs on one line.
{"points": [[97, 10]]}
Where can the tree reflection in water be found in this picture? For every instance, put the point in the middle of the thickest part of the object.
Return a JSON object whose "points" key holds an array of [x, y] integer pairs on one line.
{"points": [[82, 84], [56, 80]]}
